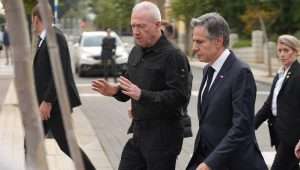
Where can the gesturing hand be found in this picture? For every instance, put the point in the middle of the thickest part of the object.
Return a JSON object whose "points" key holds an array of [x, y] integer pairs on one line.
{"points": [[129, 88], [104, 87]]}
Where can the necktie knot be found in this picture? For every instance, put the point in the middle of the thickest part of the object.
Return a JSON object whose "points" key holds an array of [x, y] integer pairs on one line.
{"points": [[210, 72]]}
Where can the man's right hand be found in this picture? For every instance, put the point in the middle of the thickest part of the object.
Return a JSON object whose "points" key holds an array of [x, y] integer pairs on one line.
{"points": [[105, 88], [45, 110]]}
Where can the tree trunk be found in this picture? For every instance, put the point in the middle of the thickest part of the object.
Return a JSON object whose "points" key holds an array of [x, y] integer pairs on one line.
{"points": [[266, 40], [18, 31], [60, 85], [188, 39]]}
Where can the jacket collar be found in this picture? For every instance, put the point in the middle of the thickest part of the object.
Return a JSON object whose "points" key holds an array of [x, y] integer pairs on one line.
{"points": [[290, 74]]}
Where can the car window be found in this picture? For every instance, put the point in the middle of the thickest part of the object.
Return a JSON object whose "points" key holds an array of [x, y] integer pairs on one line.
{"points": [[92, 41], [96, 40]]}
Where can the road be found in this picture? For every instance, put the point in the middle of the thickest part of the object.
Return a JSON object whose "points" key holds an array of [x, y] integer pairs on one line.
{"points": [[110, 120]]}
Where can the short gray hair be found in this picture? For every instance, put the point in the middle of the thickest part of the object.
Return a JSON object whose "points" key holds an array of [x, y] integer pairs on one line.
{"points": [[215, 25], [291, 42], [150, 7]]}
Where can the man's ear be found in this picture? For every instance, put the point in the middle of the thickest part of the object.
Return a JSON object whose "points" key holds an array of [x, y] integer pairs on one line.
{"points": [[219, 41]]}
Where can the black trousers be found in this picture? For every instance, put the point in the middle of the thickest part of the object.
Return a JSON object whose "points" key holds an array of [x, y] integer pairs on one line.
{"points": [[107, 64], [55, 124], [285, 158], [154, 146]]}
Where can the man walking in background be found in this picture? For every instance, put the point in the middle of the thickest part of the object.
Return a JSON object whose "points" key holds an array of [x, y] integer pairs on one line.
{"points": [[107, 55]]}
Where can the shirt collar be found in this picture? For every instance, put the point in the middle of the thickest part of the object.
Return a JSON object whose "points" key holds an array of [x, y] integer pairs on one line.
{"points": [[217, 65], [43, 34], [281, 70], [158, 45]]}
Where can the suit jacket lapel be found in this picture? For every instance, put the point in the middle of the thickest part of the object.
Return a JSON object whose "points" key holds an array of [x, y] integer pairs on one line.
{"points": [[288, 76], [38, 50], [200, 90], [218, 80]]}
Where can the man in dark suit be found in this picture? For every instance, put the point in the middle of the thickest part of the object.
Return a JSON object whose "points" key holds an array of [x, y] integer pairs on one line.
{"points": [[107, 55], [226, 138], [45, 88], [282, 107]]}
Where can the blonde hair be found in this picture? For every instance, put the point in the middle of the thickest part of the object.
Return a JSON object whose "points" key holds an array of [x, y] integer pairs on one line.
{"points": [[291, 42]]}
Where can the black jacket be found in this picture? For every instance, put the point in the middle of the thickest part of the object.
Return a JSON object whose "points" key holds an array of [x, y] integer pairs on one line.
{"points": [[287, 126], [44, 80], [108, 47], [161, 72]]}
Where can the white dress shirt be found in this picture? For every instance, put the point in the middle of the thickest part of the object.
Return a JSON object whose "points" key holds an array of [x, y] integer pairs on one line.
{"points": [[217, 65], [42, 36], [281, 76]]}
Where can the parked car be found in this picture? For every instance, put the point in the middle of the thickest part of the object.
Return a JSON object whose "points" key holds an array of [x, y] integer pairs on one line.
{"points": [[88, 54]]}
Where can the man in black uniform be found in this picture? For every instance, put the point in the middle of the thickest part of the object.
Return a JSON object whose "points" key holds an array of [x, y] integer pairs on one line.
{"points": [[108, 51], [156, 83]]}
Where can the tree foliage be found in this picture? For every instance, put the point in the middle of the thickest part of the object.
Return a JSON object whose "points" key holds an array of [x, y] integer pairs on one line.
{"points": [[288, 20], [64, 5], [113, 13], [251, 17], [28, 5], [283, 16]]}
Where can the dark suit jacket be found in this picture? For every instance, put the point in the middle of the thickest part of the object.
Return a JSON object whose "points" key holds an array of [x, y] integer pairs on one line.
{"points": [[286, 125], [226, 138], [265, 113], [44, 80]]}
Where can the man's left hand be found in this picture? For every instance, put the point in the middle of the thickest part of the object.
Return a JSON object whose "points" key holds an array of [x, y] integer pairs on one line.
{"points": [[203, 166], [129, 88]]}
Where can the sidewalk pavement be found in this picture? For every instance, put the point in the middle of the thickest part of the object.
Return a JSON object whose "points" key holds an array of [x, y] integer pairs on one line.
{"points": [[259, 74], [12, 138]]}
